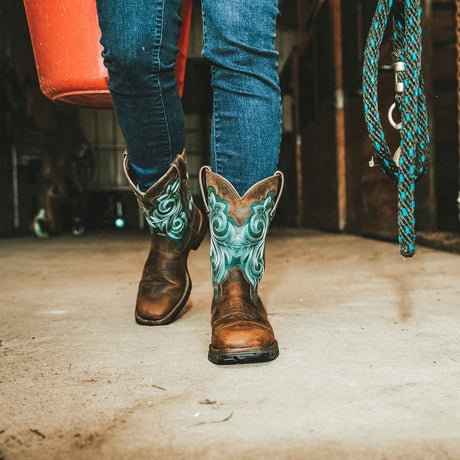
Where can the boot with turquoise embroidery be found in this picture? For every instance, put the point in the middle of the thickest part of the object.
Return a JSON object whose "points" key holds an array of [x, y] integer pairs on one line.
{"points": [[241, 332], [177, 225]]}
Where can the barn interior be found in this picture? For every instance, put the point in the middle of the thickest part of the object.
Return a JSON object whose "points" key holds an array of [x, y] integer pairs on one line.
{"points": [[369, 349]]}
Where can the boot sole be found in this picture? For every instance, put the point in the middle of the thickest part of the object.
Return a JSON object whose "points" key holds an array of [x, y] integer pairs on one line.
{"points": [[243, 355], [172, 315]]}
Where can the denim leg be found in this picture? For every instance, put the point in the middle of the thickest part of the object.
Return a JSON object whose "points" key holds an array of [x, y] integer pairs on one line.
{"points": [[140, 45], [239, 41]]}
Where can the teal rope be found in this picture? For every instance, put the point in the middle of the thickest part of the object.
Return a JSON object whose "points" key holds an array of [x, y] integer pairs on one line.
{"points": [[415, 139]]}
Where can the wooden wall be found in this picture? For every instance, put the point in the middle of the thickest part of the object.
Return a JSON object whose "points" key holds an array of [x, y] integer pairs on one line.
{"points": [[371, 197], [444, 113]]}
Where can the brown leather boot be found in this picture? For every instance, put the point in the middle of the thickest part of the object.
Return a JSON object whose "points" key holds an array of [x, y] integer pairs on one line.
{"points": [[241, 332], [177, 225]]}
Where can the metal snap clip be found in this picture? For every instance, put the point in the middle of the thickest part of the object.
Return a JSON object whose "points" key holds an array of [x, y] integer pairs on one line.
{"points": [[395, 125]]}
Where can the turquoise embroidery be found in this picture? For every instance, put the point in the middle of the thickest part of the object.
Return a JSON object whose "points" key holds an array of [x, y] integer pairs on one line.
{"points": [[233, 246], [169, 217]]}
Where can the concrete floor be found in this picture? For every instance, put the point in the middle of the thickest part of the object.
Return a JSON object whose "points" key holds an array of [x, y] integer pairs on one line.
{"points": [[369, 364]]}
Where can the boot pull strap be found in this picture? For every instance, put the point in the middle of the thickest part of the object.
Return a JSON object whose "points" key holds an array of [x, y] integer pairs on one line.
{"points": [[202, 181], [280, 192], [139, 195]]}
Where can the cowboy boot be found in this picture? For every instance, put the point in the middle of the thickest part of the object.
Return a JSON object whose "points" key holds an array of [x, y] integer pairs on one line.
{"points": [[177, 225], [241, 331]]}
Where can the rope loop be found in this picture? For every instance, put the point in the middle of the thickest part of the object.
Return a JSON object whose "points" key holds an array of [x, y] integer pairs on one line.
{"points": [[411, 160]]}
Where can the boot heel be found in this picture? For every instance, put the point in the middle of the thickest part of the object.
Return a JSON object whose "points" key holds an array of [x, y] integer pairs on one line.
{"points": [[201, 232]]}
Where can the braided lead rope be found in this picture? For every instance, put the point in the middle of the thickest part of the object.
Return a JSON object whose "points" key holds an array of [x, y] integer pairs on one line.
{"points": [[409, 163]]}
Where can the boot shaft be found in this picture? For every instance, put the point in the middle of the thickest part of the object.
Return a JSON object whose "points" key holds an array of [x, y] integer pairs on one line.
{"points": [[239, 226], [167, 205]]}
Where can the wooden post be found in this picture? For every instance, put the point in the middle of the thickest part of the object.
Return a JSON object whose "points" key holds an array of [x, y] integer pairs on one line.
{"points": [[432, 218], [298, 137], [335, 6], [297, 127], [457, 30]]}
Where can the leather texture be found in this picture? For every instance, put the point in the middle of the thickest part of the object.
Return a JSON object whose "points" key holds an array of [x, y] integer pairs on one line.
{"points": [[241, 331], [177, 225], [239, 321]]}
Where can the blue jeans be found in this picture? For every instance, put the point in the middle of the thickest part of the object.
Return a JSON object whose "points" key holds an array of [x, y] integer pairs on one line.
{"points": [[139, 39]]}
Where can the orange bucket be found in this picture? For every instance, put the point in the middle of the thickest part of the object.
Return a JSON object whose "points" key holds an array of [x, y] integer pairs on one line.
{"points": [[65, 38]]}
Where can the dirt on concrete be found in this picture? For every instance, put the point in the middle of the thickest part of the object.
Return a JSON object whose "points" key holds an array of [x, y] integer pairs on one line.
{"points": [[369, 363]]}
